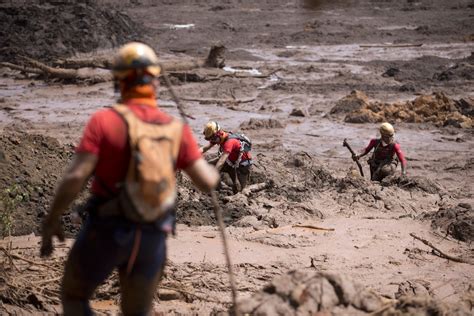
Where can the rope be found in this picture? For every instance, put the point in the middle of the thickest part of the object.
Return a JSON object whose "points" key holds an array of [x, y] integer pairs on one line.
{"points": [[215, 201], [220, 222]]}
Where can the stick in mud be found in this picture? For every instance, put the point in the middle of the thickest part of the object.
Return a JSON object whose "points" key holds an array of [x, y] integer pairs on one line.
{"points": [[438, 252], [346, 144]]}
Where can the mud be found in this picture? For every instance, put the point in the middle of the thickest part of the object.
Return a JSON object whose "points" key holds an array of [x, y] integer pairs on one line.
{"points": [[289, 66], [457, 221]]}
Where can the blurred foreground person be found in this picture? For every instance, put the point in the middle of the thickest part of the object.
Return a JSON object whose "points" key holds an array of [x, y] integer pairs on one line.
{"points": [[132, 150], [234, 156], [383, 163]]}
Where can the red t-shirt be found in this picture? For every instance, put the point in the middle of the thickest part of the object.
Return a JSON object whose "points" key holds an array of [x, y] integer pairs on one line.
{"points": [[106, 136], [385, 152], [232, 147]]}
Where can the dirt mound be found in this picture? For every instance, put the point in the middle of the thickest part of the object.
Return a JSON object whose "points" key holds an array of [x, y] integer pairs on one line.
{"points": [[305, 293], [62, 30], [319, 293], [30, 166], [436, 108], [356, 100], [261, 124], [457, 221]]}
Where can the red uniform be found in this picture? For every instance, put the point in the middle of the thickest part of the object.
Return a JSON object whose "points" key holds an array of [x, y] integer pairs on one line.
{"points": [[232, 147], [106, 136], [384, 153]]}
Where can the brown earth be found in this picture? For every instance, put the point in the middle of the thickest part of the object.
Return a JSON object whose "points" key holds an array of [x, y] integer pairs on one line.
{"points": [[436, 108], [309, 222]]}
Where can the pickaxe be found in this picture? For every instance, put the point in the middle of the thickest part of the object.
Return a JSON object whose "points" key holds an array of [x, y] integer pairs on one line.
{"points": [[345, 144]]}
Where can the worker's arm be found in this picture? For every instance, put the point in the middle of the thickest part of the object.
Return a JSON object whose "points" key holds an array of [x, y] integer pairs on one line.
{"points": [[366, 150], [203, 175], [401, 158], [69, 187], [207, 147], [220, 163]]}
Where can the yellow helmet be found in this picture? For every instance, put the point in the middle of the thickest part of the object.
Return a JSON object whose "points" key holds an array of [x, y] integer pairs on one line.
{"points": [[387, 129], [135, 57], [211, 129]]}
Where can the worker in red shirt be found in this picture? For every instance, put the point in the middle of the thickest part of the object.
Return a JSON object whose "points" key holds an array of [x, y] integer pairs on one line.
{"points": [[234, 156], [383, 163], [111, 240]]}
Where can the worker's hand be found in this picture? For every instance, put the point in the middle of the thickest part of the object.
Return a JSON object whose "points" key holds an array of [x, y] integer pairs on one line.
{"points": [[404, 173], [51, 228], [355, 157]]}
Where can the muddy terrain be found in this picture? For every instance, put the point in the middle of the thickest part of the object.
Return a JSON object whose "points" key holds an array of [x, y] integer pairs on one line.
{"points": [[310, 235]]}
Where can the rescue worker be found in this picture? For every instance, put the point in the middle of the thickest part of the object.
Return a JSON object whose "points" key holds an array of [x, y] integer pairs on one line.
{"points": [[382, 162], [234, 156], [109, 241]]}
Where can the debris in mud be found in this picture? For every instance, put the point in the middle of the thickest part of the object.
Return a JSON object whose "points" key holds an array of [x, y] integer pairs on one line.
{"points": [[413, 183], [413, 288], [62, 30], [437, 108], [261, 124], [37, 288], [299, 112], [424, 306], [457, 221]]}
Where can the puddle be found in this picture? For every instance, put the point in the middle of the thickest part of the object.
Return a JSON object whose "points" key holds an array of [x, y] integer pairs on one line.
{"points": [[179, 26], [397, 27], [252, 71]]}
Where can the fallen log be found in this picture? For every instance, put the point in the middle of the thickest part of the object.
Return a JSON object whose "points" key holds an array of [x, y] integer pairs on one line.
{"points": [[220, 101], [253, 188], [85, 74], [93, 70], [215, 59]]}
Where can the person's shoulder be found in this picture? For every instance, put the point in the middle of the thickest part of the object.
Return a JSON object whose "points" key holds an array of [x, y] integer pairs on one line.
{"points": [[102, 114]]}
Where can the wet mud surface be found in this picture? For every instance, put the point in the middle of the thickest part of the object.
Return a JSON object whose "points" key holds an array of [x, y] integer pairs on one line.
{"points": [[310, 234]]}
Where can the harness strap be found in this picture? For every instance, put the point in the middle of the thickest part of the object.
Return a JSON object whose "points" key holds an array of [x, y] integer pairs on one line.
{"points": [[136, 247]]}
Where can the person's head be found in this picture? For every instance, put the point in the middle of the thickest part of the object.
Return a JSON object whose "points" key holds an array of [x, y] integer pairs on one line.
{"points": [[135, 65], [387, 132], [213, 133]]}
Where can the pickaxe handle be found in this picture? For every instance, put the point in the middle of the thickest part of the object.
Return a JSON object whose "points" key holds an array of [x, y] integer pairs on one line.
{"points": [[346, 144]]}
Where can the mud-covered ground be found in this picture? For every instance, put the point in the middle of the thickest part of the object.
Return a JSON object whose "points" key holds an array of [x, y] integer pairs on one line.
{"points": [[301, 76]]}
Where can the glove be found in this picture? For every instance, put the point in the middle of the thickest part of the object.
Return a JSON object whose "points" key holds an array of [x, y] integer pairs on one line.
{"points": [[355, 157], [50, 228], [404, 173]]}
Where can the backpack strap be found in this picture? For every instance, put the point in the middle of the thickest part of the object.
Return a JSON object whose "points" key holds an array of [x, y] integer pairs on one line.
{"points": [[137, 127]]}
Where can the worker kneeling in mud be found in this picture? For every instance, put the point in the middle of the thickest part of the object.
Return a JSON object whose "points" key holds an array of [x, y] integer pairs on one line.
{"points": [[382, 163], [234, 156], [133, 150]]}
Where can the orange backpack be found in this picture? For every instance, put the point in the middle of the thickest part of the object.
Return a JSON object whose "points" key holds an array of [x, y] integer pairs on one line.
{"points": [[149, 189]]}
